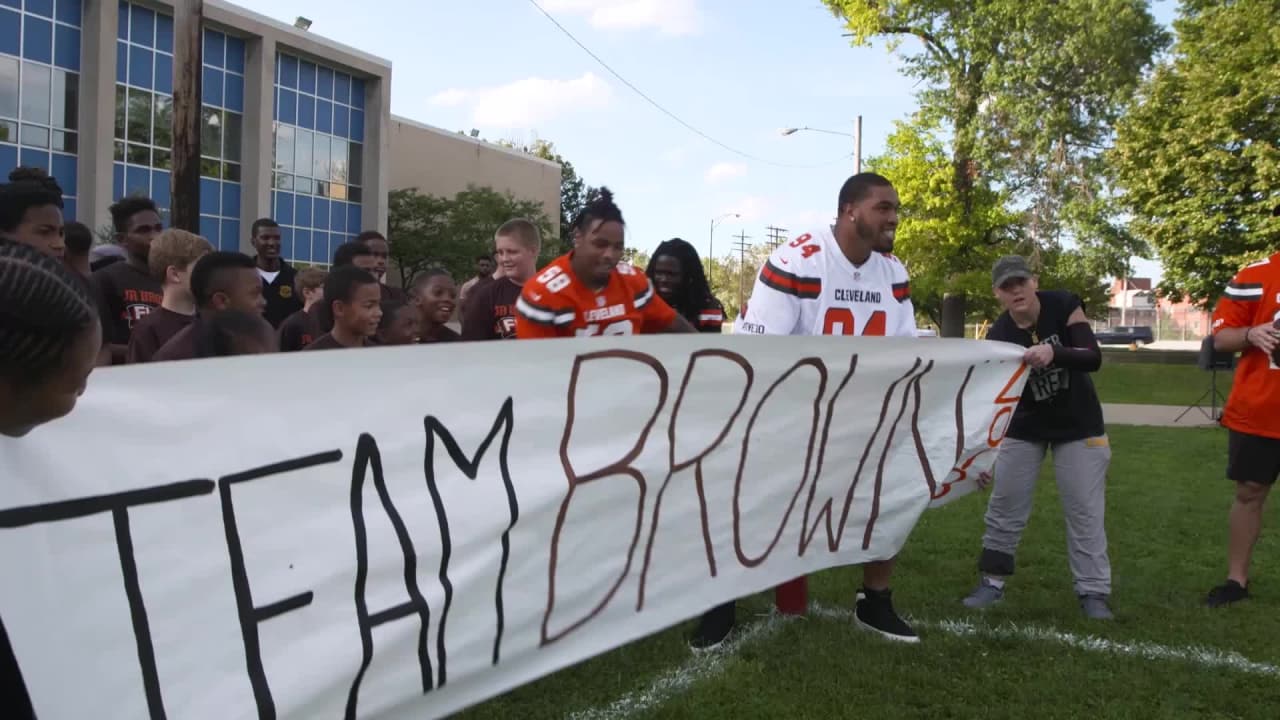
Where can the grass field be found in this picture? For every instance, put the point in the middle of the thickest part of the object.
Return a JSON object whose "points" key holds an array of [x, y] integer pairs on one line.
{"points": [[1148, 383], [1034, 656]]}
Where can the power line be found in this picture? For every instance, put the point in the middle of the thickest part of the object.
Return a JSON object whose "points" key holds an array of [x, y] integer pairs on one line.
{"points": [[667, 112]]}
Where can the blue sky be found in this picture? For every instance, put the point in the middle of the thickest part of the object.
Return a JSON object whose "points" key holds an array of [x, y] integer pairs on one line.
{"points": [[738, 71]]}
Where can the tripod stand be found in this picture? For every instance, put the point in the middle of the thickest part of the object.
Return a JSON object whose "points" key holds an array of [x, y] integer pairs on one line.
{"points": [[1213, 361]]}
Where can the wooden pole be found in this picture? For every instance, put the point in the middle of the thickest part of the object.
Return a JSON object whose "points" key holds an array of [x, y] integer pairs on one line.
{"points": [[187, 65]]}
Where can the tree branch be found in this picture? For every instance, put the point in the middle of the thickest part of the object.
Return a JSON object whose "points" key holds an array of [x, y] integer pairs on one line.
{"points": [[928, 38]]}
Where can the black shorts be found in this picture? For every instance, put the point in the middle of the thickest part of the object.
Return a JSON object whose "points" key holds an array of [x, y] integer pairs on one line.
{"points": [[1252, 458]]}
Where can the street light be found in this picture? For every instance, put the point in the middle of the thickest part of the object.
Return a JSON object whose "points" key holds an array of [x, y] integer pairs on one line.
{"points": [[857, 139], [711, 241]]}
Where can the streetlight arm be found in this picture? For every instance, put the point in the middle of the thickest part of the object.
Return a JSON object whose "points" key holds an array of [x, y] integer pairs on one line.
{"points": [[792, 131]]}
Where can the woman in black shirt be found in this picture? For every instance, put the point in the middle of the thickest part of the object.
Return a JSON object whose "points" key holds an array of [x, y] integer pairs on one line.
{"points": [[1059, 411]]}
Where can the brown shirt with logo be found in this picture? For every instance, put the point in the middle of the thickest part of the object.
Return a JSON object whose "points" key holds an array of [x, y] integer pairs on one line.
{"points": [[153, 331], [125, 295], [491, 311]]}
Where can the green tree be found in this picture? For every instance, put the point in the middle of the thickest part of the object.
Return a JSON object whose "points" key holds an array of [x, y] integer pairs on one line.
{"points": [[733, 272], [574, 192], [1198, 155], [1028, 91], [429, 231]]}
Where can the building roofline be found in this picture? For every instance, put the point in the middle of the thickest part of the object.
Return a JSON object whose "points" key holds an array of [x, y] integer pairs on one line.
{"points": [[302, 38], [474, 141]]}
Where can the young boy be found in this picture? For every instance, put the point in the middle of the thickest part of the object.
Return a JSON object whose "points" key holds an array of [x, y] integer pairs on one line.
{"points": [[219, 281], [126, 291], [303, 327], [170, 260], [352, 307], [234, 332]]}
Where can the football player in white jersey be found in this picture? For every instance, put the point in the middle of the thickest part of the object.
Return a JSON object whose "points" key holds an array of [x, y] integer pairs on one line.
{"points": [[839, 280]]}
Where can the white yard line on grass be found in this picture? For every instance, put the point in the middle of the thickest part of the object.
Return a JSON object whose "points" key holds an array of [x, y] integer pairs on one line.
{"points": [[1202, 656], [699, 667]]}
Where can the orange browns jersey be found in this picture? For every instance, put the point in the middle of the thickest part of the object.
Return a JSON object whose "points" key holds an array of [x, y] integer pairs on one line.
{"points": [[1253, 298], [557, 304]]}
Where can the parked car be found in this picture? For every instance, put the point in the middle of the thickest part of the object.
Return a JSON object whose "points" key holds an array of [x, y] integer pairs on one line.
{"points": [[1126, 335]]}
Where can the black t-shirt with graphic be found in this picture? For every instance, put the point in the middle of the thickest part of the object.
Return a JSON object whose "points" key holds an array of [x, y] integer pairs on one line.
{"points": [[125, 295], [1058, 405]]}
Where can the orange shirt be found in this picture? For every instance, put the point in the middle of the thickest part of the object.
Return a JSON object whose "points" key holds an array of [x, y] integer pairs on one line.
{"points": [[1253, 298], [557, 304]]}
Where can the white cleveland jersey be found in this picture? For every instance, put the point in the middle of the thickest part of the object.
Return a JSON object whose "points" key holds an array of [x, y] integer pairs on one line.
{"points": [[809, 287]]}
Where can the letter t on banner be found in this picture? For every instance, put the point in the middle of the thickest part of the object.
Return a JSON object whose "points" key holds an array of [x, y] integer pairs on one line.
{"points": [[792, 597]]}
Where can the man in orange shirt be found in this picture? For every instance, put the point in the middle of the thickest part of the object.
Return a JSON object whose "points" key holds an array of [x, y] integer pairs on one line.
{"points": [[587, 292], [1245, 321]]}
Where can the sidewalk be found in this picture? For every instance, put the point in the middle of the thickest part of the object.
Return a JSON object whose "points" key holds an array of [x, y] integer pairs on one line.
{"points": [[1157, 415]]}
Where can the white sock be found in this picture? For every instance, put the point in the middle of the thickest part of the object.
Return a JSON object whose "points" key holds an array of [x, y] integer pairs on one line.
{"points": [[995, 582]]}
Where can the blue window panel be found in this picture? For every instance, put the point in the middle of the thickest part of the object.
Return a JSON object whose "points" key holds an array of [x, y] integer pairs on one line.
{"points": [[235, 55], [324, 83], [306, 112], [283, 208], [357, 125], [302, 242], [288, 107], [324, 116], [37, 40], [122, 61], [10, 32], [209, 230], [234, 99], [357, 93], [342, 88], [31, 157], [161, 185], [164, 73], [64, 171], [137, 181], [12, 3], [338, 218], [230, 199], [117, 180], [321, 247], [341, 121], [211, 87], [164, 33], [210, 197], [231, 235], [286, 243], [353, 219], [69, 12], [68, 209], [66, 47], [322, 214], [288, 72], [302, 211], [122, 22], [43, 8], [140, 60], [8, 158], [215, 49], [142, 26], [307, 77]]}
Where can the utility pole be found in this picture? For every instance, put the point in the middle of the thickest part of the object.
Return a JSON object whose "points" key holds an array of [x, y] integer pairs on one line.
{"points": [[777, 236], [187, 64], [741, 246], [857, 145]]}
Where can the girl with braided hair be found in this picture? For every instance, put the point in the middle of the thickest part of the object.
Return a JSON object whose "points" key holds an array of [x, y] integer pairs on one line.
{"points": [[49, 338]]}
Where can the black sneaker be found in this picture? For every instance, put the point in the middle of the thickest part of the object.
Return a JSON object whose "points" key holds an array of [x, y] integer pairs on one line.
{"points": [[1226, 594], [874, 611], [714, 628]]}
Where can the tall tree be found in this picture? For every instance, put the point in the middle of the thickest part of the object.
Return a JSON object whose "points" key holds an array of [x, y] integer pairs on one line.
{"points": [[1198, 155], [1028, 91], [574, 192]]}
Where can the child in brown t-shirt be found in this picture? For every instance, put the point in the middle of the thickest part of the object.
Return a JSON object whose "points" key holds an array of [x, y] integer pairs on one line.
{"points": [[172, 254]]}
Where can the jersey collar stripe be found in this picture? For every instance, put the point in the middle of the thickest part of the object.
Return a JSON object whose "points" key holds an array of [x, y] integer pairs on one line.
{"points": [[711, 316], [540, 316], [1243, 291], [785, 282], [643, 297]]}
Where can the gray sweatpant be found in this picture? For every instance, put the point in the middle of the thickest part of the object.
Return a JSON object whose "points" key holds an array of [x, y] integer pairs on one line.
{"points": [[1080, 468]]}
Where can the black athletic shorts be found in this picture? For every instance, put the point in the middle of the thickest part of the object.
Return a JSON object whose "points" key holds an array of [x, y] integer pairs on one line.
{"points": [[1252, 458]]}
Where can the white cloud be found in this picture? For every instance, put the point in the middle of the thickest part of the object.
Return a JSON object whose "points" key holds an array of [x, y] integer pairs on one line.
{"points": [[750, 208], [722, 171], [674, 157], [672, 17], [529, 101]]}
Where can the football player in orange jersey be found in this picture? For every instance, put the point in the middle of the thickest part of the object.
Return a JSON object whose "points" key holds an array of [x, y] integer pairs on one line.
{"points": [[1246, 321], [587, 292]]}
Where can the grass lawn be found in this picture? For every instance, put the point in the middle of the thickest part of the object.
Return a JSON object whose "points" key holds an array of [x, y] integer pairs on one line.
{"points": [[1152, 384], [1166, 518]]}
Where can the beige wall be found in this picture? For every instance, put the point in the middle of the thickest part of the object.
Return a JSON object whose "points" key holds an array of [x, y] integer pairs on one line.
{"points": [[443, 163]]}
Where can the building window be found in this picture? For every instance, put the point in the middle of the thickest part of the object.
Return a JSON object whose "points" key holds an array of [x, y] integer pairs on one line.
{"points": [[144, 119], [317, 157], [40, 90]]}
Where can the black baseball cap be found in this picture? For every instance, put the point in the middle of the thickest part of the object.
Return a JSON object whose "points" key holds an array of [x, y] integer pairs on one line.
{"points": [[1010, 267]]}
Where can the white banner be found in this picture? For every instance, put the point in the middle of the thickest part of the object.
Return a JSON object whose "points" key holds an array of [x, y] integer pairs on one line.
{"points": [[404, 532]]}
